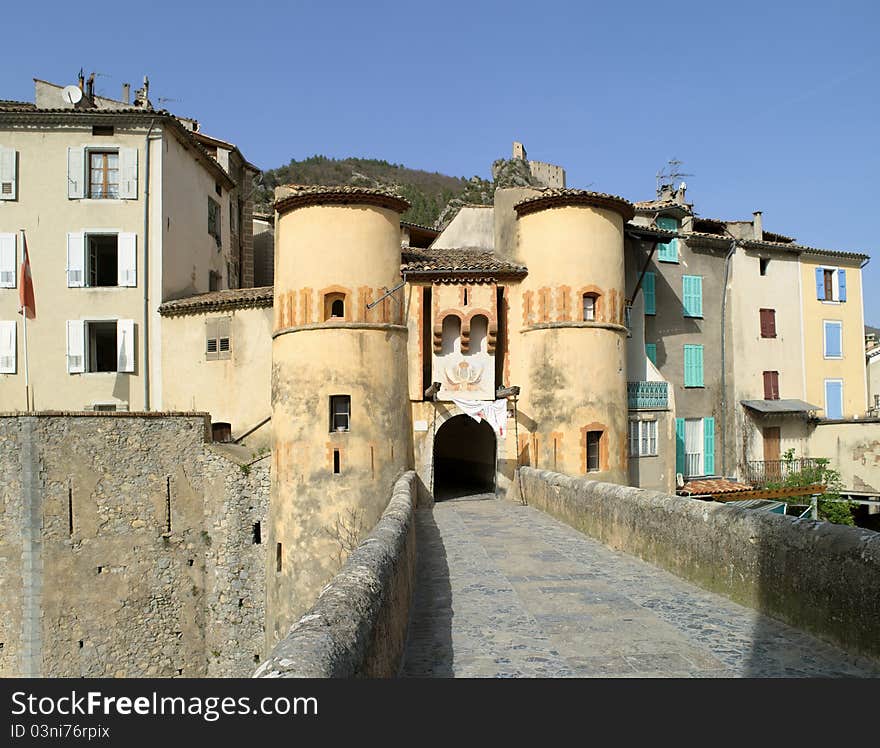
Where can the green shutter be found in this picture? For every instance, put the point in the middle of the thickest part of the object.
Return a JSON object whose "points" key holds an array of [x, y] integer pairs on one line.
{"points": [[679, 445], [692, 295], [693, 366], [668, 251], [709, 446], [649, 286], [651, 352]]}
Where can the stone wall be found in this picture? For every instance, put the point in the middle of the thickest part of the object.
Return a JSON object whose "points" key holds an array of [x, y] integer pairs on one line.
{"points": [[357, 627], [816, 576], [126, 548]]}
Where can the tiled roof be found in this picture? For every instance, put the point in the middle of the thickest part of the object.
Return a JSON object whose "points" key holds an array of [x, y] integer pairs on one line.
{"points": [[803, 249], [650, 230], [553, 198], [237, 298], [705, 486], [340, 195], [16, 105], [654, 206], [461, 261]]}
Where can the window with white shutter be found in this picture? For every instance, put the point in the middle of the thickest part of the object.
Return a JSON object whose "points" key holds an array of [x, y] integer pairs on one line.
{"points": [[76, 172], [128, 174], [125, 345], [8, 173], [7, 346], [76, 346], [127, 259], [218, 338], [8, 260], [76, 260]]}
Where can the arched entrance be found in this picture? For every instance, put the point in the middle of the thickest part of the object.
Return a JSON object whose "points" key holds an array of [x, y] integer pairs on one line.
{"points": [[464, 458]]}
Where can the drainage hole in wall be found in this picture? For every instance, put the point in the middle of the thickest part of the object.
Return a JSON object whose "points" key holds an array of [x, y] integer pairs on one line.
{"points": [[189, 563]]}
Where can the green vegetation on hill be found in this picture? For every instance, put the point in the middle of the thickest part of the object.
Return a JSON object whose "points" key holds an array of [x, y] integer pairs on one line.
{"points": [[428, 192]]}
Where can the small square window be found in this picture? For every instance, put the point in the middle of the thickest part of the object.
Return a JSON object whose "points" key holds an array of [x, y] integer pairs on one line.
{"points": [[340, 413], [764, 264], [218, 338], [589, 307], [102, 130]]}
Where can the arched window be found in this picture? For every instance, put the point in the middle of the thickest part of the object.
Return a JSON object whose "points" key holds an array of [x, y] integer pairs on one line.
{"points": [[590, 302], [451, 335], [334, 306]]}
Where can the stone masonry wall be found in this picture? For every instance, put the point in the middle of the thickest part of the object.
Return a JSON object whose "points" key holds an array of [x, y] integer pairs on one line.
{"points": [[358, 625], [816, 576], [126, 545]]}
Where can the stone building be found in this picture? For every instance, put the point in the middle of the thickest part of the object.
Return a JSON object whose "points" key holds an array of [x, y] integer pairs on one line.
{"points": [[123, 207]]}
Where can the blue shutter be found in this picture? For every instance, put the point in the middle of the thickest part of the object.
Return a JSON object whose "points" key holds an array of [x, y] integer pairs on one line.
{"points": [[693, 366], [649, 286], [833, 348], [679, 445], [820, 284], [692, 295], [698, 365], [668, 251], [709, 446], [833, 399], [841, 282], [651, 352]]}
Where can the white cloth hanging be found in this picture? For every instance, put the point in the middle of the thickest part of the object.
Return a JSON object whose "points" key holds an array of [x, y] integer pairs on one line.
{"points": [[495, 414]]}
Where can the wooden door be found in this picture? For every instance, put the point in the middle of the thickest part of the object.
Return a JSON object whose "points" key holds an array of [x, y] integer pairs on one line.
{"points": [[771, 452]]}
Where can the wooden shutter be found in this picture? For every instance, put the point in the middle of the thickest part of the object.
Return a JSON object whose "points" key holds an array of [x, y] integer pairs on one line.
{"points": [[7, 260], [693, 366], [771, 385], [833, 398], [76, 172], [820, 284], [125, 345], [651, 352], [679, 445], [692, 295], [709, 446], [211, 343], [841, 283], [768, 323], [8, 176], [76, 259], [128, 174], [224, 337], [668, 251], [7, 346], [649, 287], [126, 266], [76, 346]]}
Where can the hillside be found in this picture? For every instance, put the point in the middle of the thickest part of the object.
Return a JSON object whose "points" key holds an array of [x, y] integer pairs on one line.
{"points": [[428, 192]]}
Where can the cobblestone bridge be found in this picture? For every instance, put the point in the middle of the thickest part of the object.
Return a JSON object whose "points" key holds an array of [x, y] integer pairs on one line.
{"points": [[505, 591]]}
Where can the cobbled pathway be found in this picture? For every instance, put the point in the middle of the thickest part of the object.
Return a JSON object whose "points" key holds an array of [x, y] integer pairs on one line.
{"points": [[506, 591]]}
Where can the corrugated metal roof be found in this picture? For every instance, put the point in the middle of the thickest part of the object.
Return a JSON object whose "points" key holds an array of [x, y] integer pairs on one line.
{"points": [[779, 406]]}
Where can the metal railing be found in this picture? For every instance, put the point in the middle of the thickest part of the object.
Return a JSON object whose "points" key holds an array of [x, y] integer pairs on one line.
{"points": [[641, 395], [760, 473]]}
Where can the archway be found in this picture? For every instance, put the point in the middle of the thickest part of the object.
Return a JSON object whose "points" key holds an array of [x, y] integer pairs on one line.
{"points": [[464, 458]]}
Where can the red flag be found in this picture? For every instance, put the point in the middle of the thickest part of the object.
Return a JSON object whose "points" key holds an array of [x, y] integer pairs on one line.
{"points": [[26, 303]]}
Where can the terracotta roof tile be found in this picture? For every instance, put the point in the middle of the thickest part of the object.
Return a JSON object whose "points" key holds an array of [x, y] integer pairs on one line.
{"points": [[236, 298], [302, 195], [713, 486], [469, 261], [557, 197]]}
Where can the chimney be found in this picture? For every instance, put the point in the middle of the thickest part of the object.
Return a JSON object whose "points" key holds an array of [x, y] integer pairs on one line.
{"points": [[90, 87], [758, 226], [126, 93], [82, 81], [679, 195]]}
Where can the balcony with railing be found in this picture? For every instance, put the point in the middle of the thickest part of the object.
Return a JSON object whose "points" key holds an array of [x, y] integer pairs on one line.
{"points": [[647, 395], [762, 473]]}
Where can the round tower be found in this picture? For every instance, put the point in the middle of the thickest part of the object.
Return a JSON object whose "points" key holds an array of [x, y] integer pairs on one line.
{"points": [[568, 333], [340, 424]]}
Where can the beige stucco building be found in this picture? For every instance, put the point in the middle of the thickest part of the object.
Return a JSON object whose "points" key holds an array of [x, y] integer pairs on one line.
{"points": [[122, 208]]}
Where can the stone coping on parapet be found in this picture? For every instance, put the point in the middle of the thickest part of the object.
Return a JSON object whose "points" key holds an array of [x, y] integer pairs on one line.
{"points": [[227, 299], [306, 195], [559, 198], [106, 414], [575, 324], [377, 326]]}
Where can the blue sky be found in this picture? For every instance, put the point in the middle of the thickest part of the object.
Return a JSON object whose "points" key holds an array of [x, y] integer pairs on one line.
{"points": [[771, 106]]}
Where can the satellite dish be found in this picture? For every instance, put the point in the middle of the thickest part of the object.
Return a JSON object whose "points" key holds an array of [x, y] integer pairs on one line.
{"points": [[71, 94]]}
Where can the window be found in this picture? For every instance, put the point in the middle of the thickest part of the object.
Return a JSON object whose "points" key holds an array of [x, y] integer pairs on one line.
{"points": [[8, 260], [101, 259], [218, 189], [695, 446], [340, 413], [103, 174], [102, 129], [768, 323], [771, 385], [8, 180], [692, 295], [100, 346], [218, 338], [693, 366], [649, 286], [651, 352], [830, 284], [214, 219], [594, 439], [642, 438], [763, 264], [589, 307], [334, 306], [8, 347], [214, 279], [833, 339], [668, 251], [834, 398]]}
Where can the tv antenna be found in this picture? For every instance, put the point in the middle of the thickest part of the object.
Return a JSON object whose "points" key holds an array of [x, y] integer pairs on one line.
{"points": [[671, 173], [163, 99]]}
